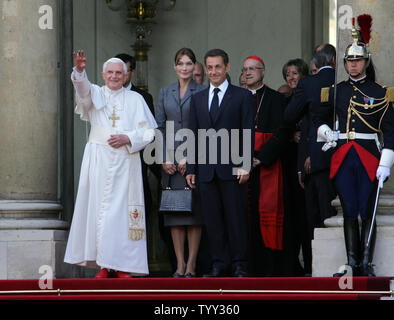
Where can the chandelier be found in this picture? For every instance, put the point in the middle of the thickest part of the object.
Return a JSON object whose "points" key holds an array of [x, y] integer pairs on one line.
{"points": [[140, 14]]}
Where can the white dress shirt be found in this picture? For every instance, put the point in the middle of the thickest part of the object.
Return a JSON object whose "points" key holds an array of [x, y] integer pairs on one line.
{"points": [[223, 87], [357, 80]]}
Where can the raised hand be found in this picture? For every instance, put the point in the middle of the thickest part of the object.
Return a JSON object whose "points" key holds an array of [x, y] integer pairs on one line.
{"points": [[80, 60]]}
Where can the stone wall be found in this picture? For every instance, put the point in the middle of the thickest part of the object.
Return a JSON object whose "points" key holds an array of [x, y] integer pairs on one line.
{"points": [[32, 233]]}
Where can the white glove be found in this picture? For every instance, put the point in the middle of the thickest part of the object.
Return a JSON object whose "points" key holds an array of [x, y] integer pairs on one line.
{"points": [[329, 145], [381, 174], [325, 134], [386, 161]]}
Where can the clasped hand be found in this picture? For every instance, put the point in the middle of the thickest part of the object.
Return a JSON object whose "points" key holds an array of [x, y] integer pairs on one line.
{"points": [[118, 140], [170, 168]]}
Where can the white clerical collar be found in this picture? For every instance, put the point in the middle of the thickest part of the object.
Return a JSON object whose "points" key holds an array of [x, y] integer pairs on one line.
{"points": [[110, 91], [253, 91], [357, 80], [222, 87], [325, 67], [129, 86]]}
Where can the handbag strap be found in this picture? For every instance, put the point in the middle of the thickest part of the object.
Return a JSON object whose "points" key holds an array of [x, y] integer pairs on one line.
{"points": [[168, 187]]}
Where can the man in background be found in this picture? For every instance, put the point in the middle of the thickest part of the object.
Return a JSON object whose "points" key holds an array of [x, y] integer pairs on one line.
{"points": [[314, 164], [198, 73], [130, 63]]}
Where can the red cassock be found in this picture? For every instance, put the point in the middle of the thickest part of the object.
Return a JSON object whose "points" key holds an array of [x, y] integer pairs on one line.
{"points": [[271, 205]]}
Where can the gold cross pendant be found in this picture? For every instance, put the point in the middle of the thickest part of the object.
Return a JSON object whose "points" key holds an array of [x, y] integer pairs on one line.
{"points": [[113, 117]]}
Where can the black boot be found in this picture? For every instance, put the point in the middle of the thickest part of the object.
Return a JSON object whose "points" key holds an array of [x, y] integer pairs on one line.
{"points": [[352, 242], [367, 251]]}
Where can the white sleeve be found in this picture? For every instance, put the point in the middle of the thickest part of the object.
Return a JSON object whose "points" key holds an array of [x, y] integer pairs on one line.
{"points": [[387, 158], [83, 93], [81, 83], [144, 132]]}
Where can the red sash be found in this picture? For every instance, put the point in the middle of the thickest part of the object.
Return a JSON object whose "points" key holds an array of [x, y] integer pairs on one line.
{"points": [[271, 207], [369, 161]]}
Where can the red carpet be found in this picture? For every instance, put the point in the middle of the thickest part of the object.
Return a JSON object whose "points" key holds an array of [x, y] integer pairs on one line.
{"points": [[197, 289]]}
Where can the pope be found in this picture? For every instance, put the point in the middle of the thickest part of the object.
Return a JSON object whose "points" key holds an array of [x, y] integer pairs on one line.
{"points": [[108, 226]]}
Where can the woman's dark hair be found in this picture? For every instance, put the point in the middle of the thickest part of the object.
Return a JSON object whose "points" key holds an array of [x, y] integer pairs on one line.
{"points": [[217, 53], [185, 52], [301, 65]]}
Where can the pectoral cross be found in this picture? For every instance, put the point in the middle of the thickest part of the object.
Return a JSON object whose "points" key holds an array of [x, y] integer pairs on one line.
{"points": [[113, 117]]}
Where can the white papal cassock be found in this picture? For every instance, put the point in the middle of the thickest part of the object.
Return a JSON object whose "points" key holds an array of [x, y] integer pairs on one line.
{"points": [[108, 226]]}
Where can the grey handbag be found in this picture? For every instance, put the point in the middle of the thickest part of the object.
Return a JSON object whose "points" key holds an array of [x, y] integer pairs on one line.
{"points": [[176, 200]]}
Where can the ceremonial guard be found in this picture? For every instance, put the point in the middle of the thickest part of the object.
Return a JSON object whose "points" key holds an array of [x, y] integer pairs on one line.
{"points": [[364, 145]]}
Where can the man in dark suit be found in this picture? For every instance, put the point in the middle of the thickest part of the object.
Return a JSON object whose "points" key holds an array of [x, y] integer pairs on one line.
{"points": [[319, 191], [228, 108]]}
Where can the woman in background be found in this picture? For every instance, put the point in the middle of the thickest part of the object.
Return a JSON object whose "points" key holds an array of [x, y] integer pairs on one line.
{"points": [[292, 72]]}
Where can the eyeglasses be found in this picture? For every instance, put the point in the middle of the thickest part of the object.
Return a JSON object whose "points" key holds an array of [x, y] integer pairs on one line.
{"points": [[251, 69]]}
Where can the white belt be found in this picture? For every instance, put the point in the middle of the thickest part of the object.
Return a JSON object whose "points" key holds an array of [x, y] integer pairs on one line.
{"points": [[100, 135], [357, 135]]}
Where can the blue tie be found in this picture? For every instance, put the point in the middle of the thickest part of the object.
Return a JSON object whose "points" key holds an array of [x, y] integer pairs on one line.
{"points": [[213, 111]]}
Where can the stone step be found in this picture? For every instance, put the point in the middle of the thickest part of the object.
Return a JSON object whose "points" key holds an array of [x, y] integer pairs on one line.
{"points": [[329, 255]]}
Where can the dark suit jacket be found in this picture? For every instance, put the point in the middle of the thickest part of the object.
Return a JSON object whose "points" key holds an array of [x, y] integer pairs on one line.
{"points": [[236, 111], [304, 100], [147, 97]]}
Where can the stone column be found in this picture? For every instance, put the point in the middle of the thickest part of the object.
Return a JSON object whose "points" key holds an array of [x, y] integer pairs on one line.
{"points": [[32, 233], [328, 245]]}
